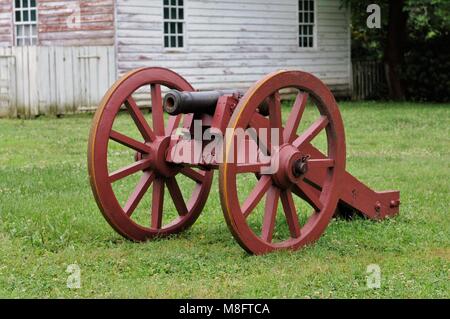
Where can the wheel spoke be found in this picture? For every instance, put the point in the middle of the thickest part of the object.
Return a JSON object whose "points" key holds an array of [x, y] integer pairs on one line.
{"points": [[259, 122], [312, 132], [157, 110], [129, 142], [256, 195], [177, 196], [295, 117], [275, 116], [140, 120], [320, 163], [197, 176], [291, 213], [309, 194], [157, 203], [174, 122], [139, 192], [270, 215], [129, 170]]}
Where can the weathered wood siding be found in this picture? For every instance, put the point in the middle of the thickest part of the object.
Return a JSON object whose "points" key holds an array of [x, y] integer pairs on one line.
{"points": [[54, 80], [57, 22], [6, 18], [232, 44]]}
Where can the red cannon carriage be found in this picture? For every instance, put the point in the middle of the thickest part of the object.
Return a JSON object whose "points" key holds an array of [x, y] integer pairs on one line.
{"points": [[276, 152]]}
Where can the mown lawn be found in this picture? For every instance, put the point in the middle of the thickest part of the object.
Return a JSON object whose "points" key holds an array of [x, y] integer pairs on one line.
{"points": [[49, 220]]}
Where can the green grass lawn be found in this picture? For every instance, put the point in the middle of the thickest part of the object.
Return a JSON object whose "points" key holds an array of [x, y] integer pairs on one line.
{"points": [[49, 220]]}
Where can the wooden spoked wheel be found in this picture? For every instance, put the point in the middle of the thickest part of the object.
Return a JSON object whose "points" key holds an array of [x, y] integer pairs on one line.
{"points": [[289, 184], [149, 149]]}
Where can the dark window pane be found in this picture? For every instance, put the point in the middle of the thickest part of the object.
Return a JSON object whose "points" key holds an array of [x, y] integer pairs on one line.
{"points": [[173, 42], [180, 42], [166, 13], [25, 16], [300, 17], [18, 19], [300, 5], [181, 13], [310, 44], [305, 42], [166, 2], [33, 3], [306, 7], [24, 3], [166, 27], [33, 15], [172, 28], [311, 17], [311, 5], [173, 13], [306, 17], [180, 2], [180, 28], [166, 41], [173, 2], [17, 3]]}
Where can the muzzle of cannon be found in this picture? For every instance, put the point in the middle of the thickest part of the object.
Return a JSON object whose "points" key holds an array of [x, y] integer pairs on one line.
{"points": [[282, 163]]}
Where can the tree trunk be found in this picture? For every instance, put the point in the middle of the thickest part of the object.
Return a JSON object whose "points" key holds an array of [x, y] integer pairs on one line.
{"points": [[395, 48]]}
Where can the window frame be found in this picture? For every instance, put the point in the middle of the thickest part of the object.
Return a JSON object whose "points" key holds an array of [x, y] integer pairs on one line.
{"points": [[30, 23], [315, 29], [183, 21]]}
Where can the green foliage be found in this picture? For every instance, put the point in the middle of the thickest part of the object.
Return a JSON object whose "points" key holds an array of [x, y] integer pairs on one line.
{"points": [[49, 220], [426, 71], [428, 19]]}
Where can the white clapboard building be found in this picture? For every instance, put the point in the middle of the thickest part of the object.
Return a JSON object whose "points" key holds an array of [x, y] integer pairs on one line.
{"points": [[61, 56]]}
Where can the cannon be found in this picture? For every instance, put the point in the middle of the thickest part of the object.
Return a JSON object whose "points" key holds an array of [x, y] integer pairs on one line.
{"points": [[281, 160]]}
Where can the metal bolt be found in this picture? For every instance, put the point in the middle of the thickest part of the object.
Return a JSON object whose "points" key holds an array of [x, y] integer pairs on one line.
{"points": [[300, 168], [378, 207], [395, 203]]}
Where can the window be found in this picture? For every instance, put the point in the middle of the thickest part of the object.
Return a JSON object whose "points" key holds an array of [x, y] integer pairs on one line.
{"points": [[306, 20], [173, 23], [25, 19]]}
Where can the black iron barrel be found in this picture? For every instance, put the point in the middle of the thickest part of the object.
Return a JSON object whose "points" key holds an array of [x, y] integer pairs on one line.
{"points": [[176, 102]]}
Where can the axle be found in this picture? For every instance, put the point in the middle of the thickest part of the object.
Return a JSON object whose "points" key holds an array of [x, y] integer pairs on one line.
{"points": [[176, 102]]}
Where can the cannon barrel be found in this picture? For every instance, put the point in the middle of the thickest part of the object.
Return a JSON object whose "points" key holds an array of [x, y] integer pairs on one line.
{"points": [[177, 102]]}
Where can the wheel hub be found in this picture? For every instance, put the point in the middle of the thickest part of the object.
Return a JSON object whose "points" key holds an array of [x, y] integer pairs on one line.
{"points": [[292, 167], [157, 156]]}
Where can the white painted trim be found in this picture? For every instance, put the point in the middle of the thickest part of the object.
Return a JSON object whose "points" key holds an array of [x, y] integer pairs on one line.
{"points": [[15, 24], [185, 42], [116, 39], [315, 46]]}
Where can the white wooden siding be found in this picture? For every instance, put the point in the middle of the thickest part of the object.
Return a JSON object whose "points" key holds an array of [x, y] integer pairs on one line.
{"points": [[232, 44], [6, 18], [54, 80], [96, 23]]}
